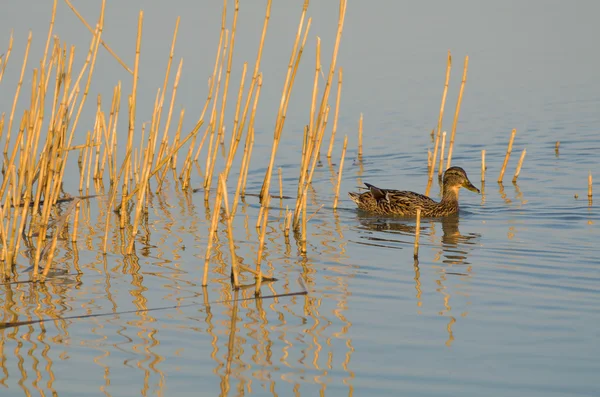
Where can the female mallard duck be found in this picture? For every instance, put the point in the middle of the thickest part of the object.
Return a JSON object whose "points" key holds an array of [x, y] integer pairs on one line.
{"points": [[403, 203]]}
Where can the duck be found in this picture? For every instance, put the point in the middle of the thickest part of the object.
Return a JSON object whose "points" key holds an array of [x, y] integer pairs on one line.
{"points": [[404, 203]]}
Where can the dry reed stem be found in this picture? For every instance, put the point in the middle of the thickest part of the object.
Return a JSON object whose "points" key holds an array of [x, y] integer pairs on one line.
{"points": [[132, 111], [360, 135], [337, 110], [441, 166], [313, 103], [519, 165], [211, 234], [211, 156], [417, 234], [508, 151], [315, 213], [280, 184], [4, 62], [102, 41], [439, 125], [556, 147], [285, 94], [339, 179], [229, 219], [483, 165], [236, 134], [263, 232], [287, 222], [18, 91], [163, 144], [228, 71], [457, 111], [590, 185]]}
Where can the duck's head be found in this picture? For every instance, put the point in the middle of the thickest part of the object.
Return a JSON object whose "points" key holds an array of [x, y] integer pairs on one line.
{"points": [[455, 178]]}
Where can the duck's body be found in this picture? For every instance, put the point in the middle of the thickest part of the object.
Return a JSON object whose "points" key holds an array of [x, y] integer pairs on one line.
{"points": [[405, 203]]}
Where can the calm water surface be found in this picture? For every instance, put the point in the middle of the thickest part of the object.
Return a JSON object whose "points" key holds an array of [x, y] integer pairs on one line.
{"points": [[504, 297]]}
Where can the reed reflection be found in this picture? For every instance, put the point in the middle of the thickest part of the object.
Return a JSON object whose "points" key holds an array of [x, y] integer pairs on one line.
{"points": [[454, 249]]}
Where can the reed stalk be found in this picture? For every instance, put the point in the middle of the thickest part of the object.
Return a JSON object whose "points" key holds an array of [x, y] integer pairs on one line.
{"points": [[457, 112], [280, 183], [337, 110], [229, 220], [483, 165], [339, 179], [508, 151], [590, 185], [441, 166], [439, 125], [556, 148], [211, 234], [417, 234], [360, 135], [519, 165], [4, 62], [18, 91], [263, 232]]}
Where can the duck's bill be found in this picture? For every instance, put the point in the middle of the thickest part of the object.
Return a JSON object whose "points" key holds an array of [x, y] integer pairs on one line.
{"points": [[469, 185]]}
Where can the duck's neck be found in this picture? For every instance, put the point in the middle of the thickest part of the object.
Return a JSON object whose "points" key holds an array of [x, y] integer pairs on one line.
{"points": [[450, 194]]}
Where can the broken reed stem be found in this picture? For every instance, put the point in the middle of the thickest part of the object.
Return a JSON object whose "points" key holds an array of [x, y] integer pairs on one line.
{"points": [[508, 151], [360, 135], [441, 167], [457, 112], [519, 165], [483, 165], [337, 110], [229, 219], [439, 126], [339, 180], [417, 234], [556, 147], [590, 185], [211, 234]]}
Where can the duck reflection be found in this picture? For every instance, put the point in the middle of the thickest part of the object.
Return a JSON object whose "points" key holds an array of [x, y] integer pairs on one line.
{"points": [[455, 246]]}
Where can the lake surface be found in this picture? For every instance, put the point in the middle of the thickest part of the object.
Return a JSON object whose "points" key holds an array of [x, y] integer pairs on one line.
{"points": [[503, 299]]}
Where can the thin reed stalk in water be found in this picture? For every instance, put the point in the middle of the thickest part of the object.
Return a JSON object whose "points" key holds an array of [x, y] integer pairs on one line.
{"points": [[508, 151], [417, 234], [457, 112], [337, 110], [441, 167], [360, 135], [339, 180], [229, 218], [519, 165], [211, 234], [287, 222], [556, 147], [280, 183], [439, 125], [263, 232], [590, 185], [483, 165]]}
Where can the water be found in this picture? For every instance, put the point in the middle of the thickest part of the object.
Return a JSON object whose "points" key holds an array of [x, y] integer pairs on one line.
{"points": [[503, 300]]}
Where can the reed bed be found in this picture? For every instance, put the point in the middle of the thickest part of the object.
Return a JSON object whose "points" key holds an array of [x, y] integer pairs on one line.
{"points": [[35, 159]]}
